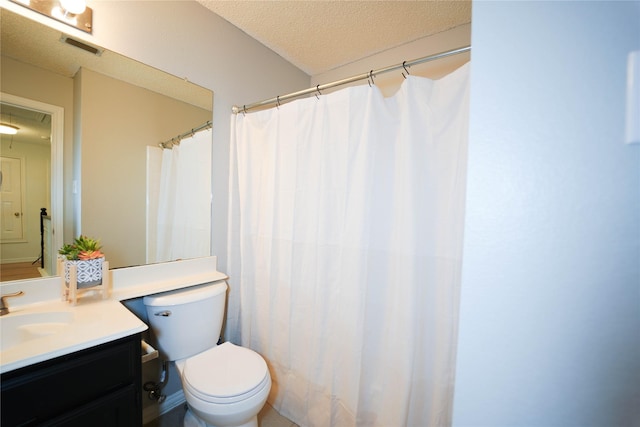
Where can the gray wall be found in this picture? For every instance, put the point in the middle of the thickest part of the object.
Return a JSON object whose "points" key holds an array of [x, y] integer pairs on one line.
{"points": [[550, 316]]}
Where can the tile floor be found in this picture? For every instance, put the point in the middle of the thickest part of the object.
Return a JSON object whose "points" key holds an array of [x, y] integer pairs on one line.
{"points": [[268, 417]]}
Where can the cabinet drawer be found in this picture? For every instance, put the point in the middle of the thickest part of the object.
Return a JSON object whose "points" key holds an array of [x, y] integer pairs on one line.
{"points": [[46, 390]]}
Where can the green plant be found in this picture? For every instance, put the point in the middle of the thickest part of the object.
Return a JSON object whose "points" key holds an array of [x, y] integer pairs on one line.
{"points": [[82, 248]]}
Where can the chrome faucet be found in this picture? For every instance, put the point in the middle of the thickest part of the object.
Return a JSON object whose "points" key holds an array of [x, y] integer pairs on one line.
{"points": [[4, 308]]}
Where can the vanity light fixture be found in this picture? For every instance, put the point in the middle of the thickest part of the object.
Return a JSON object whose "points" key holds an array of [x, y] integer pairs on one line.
{"points": [[8, 129], [75, 13]]}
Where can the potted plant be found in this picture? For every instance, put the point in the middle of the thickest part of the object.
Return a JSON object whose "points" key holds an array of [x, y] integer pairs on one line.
{"points": [[85, 254]]}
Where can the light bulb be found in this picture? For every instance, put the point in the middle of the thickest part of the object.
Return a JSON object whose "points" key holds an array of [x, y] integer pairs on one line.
{"points": [[73, 6]]}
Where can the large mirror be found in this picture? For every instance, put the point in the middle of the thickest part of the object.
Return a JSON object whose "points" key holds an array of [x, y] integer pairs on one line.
{"points": [[112, 109]]}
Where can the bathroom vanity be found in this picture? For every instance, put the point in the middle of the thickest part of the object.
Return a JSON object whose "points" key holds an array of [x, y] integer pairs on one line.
{"points": [[70, 365], [98, 386]]}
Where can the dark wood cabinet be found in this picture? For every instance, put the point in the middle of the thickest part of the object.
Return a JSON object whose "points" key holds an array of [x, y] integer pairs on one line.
{"points": [[99, 386]]}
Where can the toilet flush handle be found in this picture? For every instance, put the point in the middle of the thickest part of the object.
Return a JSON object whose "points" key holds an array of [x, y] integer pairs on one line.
{"points": [[165, 313]]}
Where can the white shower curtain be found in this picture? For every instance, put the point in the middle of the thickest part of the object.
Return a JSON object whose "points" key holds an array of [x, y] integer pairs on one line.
{"points": [[345, 246], [184, 201]]}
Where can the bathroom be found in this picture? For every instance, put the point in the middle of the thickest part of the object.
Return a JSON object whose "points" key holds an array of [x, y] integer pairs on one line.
{"points": [[548, 317]]}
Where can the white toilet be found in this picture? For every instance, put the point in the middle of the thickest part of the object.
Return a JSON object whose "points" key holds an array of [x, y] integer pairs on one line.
{"points": [[225, 385]]}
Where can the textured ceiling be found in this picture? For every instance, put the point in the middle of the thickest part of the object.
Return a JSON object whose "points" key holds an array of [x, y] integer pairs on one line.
{"points": [[318, 36]]}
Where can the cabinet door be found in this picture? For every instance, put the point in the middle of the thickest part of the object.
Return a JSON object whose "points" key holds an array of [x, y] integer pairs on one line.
{"points": [[51, 390], [115, 410]]}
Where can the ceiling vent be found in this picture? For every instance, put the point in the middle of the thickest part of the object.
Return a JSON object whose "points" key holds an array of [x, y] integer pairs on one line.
{"points": [[97, 51]]}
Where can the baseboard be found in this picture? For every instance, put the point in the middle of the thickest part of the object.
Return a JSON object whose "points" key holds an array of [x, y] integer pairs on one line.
{"points": [[15, 260], [154, 411], [172, 401]]}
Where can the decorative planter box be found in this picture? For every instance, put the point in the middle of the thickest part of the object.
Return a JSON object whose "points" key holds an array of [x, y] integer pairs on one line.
{"points": [[88, 272], [83, 275]]}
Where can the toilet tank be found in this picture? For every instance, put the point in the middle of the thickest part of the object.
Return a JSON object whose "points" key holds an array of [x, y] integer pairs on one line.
{"points": [[187, 321]]}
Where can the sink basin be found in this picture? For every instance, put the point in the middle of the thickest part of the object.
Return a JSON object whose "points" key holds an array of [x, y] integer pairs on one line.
{"points": [[20, 328]]}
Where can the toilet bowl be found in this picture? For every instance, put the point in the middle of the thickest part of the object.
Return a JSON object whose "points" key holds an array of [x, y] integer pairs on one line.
{"points": [[224, 385]]}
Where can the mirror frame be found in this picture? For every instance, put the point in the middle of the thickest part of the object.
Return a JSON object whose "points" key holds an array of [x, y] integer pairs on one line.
{"points": [[57, 143]]}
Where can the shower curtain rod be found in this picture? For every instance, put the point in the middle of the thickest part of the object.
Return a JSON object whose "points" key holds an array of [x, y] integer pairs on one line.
{"points": [[370, 75], [176, 140]]}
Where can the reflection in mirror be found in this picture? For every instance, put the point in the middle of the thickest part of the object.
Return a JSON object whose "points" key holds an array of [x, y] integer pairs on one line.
{"points": [[179, 198], [25, 190], [35, 150], [114, 108]]}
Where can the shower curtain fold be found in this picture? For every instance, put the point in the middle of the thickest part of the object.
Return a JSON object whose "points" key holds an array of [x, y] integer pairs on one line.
{"points": [[345, 249]]}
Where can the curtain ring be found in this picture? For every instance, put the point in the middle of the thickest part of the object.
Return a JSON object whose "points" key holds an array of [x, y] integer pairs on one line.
{"points": [[244, 109], [318, 90], [370, 80], [405, 68], [278, 101]]}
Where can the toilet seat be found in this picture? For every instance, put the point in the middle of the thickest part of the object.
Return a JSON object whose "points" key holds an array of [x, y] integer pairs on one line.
{"points": [[225, 374]]}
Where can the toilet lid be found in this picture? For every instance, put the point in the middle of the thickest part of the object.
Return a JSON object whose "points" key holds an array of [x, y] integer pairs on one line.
{"points": [[226, 371]]}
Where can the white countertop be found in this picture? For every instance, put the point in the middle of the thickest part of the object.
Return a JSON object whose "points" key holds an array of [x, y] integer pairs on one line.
{"points": [[95, 320]]}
